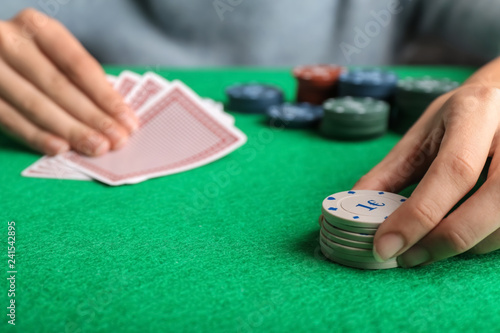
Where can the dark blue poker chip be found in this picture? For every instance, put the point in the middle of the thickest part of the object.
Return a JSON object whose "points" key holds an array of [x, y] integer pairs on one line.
{"points": [[301, 115], [253, 98], [375, 83]]}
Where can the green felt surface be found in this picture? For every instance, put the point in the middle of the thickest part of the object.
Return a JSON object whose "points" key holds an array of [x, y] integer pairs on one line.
{"points": [[229, 247]]}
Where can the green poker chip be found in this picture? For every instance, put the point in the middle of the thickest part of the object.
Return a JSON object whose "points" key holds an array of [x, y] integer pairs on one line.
{"points": [[356, 108], [353, 133], [354, 118], [427, 85], [414, 95]]}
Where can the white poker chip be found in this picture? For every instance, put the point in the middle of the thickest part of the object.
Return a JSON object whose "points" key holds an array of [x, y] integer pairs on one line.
{"points": [[331, 255], [356, 236], [362, 209], [348, 256], [345, 241], [337, 223], [367, 253]]}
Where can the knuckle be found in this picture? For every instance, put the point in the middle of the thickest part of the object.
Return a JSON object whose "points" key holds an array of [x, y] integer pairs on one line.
{"points": [[460, 169], [25, 14], [89, 137], [473, 101], [87, 140], [426, 214], [78, 67], [487, 93], [105, 124], [29, 106], [31, 17], [459, 240], [116, 107], [9, 37]]}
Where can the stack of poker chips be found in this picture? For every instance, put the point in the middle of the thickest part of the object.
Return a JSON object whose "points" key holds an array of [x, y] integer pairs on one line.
{"points": [[253, 98], [374, 83], [299, 115], [349, 221], [348, 118], [316, 83], [414, 95]]}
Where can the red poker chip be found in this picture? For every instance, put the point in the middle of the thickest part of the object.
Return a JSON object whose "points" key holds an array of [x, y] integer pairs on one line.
{"points": [[316, 83], [318, 73]]}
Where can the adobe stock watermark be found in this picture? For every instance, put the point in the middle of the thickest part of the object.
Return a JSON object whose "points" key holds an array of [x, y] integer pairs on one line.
{"points": [[372, 29], [52, 7], [223, 6]]}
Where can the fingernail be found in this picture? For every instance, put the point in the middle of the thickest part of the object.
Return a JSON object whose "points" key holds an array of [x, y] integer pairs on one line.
{"points": [[120, 143], [415, 256], [128, 119], [58, 147], [117, 137], [94, 145], [101, 148], [131, 123], [387, 247]]}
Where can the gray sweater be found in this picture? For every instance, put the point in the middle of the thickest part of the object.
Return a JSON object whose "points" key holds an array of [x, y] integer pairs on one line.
{"points": [[277, 32]]}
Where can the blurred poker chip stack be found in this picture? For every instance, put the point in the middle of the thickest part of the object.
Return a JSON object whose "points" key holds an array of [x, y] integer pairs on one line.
{"points": [[298, 115], [253, 97], [316, 83], [349, 222], [374, 83], [414, 95], [354, 118]]}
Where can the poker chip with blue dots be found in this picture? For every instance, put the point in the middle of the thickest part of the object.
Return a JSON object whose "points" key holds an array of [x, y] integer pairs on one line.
{"points": [[299, 115], [355, 235], [348, 224], [253, 98]]}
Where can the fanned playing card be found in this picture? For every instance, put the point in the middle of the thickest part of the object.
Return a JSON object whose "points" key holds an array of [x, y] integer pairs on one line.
{"points": [[51, 167], [178, 131], [145, 90], [152, 84], [126, 82]]}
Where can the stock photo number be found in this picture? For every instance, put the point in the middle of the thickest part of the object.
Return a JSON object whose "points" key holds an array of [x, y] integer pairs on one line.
{"points": [[11, 272]]}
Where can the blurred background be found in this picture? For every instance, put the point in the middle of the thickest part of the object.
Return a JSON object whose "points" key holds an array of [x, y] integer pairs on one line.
{"points": [[278, 32]]}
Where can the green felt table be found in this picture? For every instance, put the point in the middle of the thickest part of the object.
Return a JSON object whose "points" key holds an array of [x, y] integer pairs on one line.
{"points": [[228, 247]]}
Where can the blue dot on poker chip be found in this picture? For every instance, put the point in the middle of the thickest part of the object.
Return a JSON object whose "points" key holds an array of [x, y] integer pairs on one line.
{"points": [[380, 192], [332, 208], [331, 198], [403, 200], [386, 217], [355, 217], [351, 192]]}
